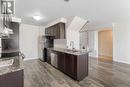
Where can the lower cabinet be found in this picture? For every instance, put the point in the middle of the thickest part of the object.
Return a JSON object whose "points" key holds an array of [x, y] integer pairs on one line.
{"points": [[61, 61], [70, 65], [14, 79], [67, 64], [75, 66]]}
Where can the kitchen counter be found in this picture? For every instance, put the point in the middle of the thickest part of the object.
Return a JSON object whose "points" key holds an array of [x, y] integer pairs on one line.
{"points": [[9, 65], [75, 52], [73, 63]]}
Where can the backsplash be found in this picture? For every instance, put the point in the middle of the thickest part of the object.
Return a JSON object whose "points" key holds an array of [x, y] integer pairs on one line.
{"points": [[60, 43]]}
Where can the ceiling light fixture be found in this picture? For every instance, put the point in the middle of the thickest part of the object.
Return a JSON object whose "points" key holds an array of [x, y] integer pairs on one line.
{"points": [[36, 17], [66, 0]]}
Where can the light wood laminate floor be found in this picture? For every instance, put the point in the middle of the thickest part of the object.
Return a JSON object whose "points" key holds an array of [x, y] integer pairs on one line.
{"points": [[101, 74]]}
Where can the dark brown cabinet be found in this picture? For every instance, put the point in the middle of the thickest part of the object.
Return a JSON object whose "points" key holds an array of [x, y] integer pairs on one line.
{"points": [[57, 30], [62, 31], [76, 66], [14, 79], [61, 61], [70, 65]]}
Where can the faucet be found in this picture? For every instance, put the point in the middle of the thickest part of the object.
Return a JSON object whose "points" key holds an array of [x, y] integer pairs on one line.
{"points": [[22, 55], [72, 45]]}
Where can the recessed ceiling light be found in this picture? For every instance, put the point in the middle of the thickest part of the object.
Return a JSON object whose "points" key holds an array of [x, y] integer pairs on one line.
{"points": [[36, 17]]}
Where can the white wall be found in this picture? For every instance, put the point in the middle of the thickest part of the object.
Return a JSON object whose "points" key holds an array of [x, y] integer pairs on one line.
{"points": [[93, 43], [73, 35], [29, 41], [72, 31], [121, 42], [60, 43]]}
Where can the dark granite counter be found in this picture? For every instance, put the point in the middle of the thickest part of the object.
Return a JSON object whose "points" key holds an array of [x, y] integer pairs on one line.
{"points": [[12, 64], [75, 52]]}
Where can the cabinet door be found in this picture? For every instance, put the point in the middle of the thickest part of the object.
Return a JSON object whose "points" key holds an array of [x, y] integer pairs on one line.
{"points": [[51, 31], [70, 65], [62, 30], [46, 31], [61, 61], [13, 79], [57, 29], [54, 32]]}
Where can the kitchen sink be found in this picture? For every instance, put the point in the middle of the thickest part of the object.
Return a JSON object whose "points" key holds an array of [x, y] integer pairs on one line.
{"points": [[73, 51]]}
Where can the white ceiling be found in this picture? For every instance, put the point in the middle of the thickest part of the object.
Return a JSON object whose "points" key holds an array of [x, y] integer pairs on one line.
{"points": [[98, 12]]}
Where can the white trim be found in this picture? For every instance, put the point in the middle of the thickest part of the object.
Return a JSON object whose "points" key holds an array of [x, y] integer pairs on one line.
{"points": [[93, 56], [27, 59], [121, 61]]}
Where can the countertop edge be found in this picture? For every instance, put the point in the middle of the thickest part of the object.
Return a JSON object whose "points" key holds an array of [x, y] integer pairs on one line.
{"points": [[65, 51]]}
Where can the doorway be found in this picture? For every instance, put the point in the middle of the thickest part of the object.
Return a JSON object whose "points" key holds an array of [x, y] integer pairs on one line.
{"points": [[105, 45]]}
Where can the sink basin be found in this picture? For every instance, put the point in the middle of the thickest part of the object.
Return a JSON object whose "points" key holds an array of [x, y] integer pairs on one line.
{"points": [[73, 51], [6, 63]]}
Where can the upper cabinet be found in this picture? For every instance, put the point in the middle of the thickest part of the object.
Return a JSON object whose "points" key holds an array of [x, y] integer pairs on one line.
{"points": [[57, 30]]}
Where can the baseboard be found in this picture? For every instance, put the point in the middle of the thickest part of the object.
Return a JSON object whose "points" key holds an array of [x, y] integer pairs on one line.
{"points": [[27, 59], [120, 61], [106, 56], [93, 56]]}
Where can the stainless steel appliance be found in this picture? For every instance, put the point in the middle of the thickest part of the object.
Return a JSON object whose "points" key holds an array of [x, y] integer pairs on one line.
{"points": [[54, 59], [48, 42]]}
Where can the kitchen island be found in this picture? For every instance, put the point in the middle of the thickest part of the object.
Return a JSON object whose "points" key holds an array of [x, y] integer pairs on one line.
{"points": [[71, 62], [11, 72]]}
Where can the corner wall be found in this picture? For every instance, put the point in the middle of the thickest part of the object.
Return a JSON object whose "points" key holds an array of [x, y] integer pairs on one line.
{"points": [[93, 43], [72, 31], [29, 41], [121, 42]]}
